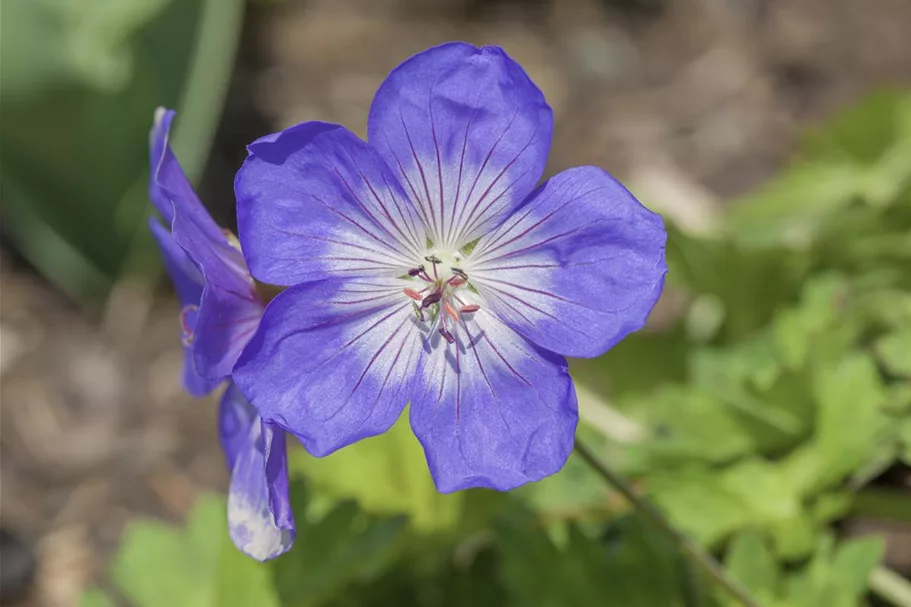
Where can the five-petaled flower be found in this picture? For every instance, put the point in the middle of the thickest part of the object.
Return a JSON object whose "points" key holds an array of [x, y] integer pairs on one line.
{"points": [[425, 267], [220, 310]]}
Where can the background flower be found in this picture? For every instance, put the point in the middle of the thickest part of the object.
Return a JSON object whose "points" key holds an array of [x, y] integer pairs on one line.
{"points": [[220, 310]]}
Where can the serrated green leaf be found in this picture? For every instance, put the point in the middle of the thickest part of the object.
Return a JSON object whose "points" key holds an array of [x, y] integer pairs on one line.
{"points": [[850, 428], [710, 505], [386, 474]]}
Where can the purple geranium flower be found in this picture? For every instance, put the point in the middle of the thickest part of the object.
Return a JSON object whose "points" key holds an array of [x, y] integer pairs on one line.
{"points": [[220, 310], [425, 266]]}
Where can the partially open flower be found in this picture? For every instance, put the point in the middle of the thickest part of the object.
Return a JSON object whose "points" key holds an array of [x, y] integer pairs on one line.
{"points": [[220, 310]]}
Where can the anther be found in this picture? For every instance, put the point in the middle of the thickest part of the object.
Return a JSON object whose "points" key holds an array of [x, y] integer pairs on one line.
{"points": [[460, 273], [433, 259], [447, 335], [455, 281], [413, 294], [416, 271], [451, 311], [431, 299], [469, 308]]}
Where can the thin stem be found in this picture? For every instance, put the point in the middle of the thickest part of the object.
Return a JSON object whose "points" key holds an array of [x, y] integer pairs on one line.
{"points": [[687, 545], [890, 586]]}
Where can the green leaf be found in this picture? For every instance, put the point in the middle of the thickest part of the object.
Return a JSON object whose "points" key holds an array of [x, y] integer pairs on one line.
{"points": [[686, 425], [633, 567], [862, 132], [894, 352], [94, 597], [710, 504], [836, 576], [850, 428], [386, 474], [620, 371], [862, 154], [851, 567], [575, 492], [898, 398], [904, 434], [791, 210], [796, 329], [342, 546], [750, 560], [198, 567]]}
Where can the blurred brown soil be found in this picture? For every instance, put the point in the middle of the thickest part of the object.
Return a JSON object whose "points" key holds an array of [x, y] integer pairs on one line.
{"points": [[690, 102]]}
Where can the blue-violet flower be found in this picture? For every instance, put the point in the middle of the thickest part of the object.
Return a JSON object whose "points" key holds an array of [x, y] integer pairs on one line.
{"points": [[425, 267], [220, 310]]}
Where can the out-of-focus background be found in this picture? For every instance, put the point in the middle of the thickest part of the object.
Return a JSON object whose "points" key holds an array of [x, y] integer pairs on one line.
{"points": [[766, 408]]}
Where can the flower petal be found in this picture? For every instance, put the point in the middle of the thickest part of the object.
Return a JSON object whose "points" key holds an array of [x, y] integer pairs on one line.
{"points": [[229, 309], [577, 268], [169, 187], [184, 274], [492, 409], [235, 416], [260, 521], [158, 140], [468, 134], [333, 361], [314, 201], [188, 284]]}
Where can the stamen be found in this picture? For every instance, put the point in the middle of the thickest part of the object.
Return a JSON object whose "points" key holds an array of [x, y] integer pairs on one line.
{"points": [[431, 299], [469, 308], [460, 273], [435, 261], [447, 335], [451, 311], [416, 271], [413, 294], [455, 281]]}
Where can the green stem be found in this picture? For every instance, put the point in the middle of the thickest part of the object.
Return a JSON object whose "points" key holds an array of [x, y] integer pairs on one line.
{"points": [[891, 587], [685, 543]]}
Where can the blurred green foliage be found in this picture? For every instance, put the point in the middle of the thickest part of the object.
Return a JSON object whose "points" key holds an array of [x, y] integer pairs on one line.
{"points": [[78, 87], [756, 422]]}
